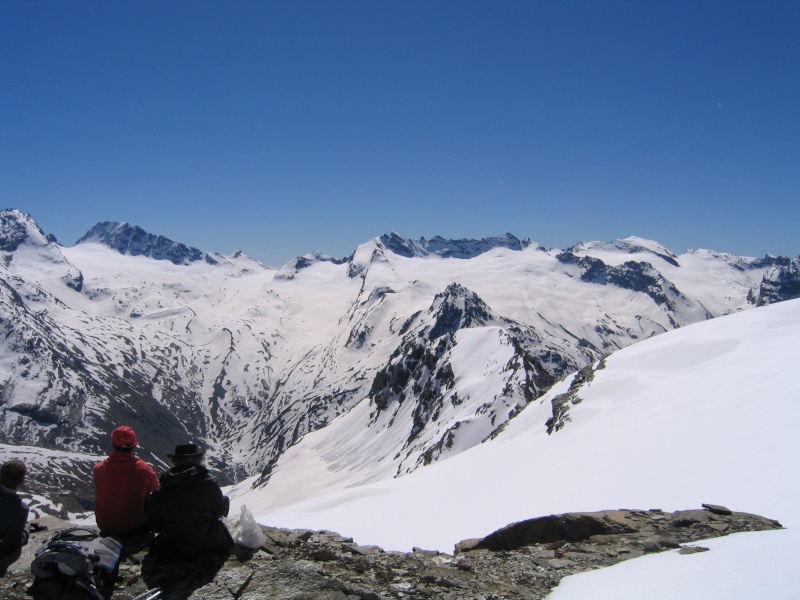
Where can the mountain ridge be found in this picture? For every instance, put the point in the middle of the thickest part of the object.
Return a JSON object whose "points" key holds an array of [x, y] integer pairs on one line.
{"points": [[248, 359], [133, 240]]}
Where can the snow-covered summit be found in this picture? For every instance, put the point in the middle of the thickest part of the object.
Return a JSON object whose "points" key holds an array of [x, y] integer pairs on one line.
{"points": [[135, 241], [290, 269], [28, 253], [383, 249], [439, 246], [629, 248], [17, 228]]}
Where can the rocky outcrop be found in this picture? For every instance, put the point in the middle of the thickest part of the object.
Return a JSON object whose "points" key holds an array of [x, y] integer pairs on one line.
{"points": [[521, 561], [646, 531], [634, 276], [562, 402], [780, 283]]}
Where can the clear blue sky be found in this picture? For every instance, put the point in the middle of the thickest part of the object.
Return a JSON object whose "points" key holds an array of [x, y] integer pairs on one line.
{"points": [[283, 127]]}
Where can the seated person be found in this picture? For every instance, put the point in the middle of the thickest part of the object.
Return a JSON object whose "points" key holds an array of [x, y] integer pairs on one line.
{"points": [[121, 484], [187, 510], [14, 531]]}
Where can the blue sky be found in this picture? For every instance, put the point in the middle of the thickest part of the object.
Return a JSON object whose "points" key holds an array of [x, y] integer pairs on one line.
{"points": [[278, 128]]}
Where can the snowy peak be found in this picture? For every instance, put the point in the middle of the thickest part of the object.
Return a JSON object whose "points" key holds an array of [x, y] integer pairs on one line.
{"points": [[457, 308], [429, 395], [290, 269], [438, 246], [26, 251], [17, 228], [631, 245], [135, 241], [401, 246], [381, 249]]}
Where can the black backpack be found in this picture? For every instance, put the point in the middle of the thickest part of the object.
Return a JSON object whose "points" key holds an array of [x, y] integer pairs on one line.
{"points": [[79, 554]]}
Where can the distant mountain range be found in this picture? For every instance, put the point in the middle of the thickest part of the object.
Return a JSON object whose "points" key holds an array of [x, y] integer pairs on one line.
{"points": [[437, 344]]}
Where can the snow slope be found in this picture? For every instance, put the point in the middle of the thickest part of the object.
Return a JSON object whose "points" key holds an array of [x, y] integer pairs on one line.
{"points": [[707, 413], [427, 346]]}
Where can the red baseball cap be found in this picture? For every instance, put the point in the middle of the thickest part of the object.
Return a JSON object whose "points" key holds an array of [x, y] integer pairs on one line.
{"points": [[124, 437]]}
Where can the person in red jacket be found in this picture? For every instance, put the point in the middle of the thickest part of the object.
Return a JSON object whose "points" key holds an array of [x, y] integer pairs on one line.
{"points": [[121, 484]]}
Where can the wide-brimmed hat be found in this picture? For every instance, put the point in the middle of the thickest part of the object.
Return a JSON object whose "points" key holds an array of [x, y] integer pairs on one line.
{"points": [[123, 437], [185, 450]]}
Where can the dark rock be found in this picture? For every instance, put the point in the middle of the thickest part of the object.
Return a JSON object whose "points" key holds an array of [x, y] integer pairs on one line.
{"points": [[717, 510], [652, 546], [545, 530], [687, 518]]}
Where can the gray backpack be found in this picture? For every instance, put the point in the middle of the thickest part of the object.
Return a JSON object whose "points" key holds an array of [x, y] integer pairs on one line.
{"points": [[80, 555]]}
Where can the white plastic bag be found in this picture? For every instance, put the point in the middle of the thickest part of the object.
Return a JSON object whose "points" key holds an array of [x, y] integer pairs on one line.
{"points": [[247, 532]]}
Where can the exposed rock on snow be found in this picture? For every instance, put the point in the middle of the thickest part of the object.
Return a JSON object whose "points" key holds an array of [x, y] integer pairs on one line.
{"points": [[523, 561], [781, 282], [655, 529]]}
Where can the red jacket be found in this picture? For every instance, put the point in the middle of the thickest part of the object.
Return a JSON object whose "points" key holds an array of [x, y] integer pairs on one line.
{"points": [[121, 483]]}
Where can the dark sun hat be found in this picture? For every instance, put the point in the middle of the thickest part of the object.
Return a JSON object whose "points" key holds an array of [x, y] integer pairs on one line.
{"points": [[186, 450]]}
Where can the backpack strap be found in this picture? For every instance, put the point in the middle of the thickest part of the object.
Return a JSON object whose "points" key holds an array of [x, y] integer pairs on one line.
{"points": [[76, 533]]}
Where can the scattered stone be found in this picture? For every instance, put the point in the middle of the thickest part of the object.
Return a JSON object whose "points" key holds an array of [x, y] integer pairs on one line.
{"points": [[560, 563], [692, 549], [652, 546], [361, 550]]}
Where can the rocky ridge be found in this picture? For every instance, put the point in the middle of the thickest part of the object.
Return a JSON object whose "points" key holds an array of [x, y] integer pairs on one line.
{"points": [[522, 561], [133, 240]]}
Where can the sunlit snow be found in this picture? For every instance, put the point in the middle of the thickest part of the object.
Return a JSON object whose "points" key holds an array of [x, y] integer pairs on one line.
{"points": [[707, 413]]}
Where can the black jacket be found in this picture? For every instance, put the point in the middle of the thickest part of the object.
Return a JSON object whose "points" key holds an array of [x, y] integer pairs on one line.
{"points": [[13, 527], [186, 512]]}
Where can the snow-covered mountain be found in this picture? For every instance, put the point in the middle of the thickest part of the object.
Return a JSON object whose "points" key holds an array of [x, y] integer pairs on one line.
{"points": [[707, 413], [135, 241], [429, 346]]}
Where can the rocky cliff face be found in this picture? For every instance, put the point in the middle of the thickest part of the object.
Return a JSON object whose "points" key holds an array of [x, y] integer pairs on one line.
{"points": [[523, 561], [781, 282]]}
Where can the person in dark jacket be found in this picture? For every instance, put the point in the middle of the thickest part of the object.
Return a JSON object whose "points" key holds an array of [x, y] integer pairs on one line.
{"points": [[121, 484], [187, 510], [14, 530]]}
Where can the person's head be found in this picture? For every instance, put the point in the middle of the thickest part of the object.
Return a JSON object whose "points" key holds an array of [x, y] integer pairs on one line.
{"points": [[185, 456], [12, 474], [123, 439]]}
